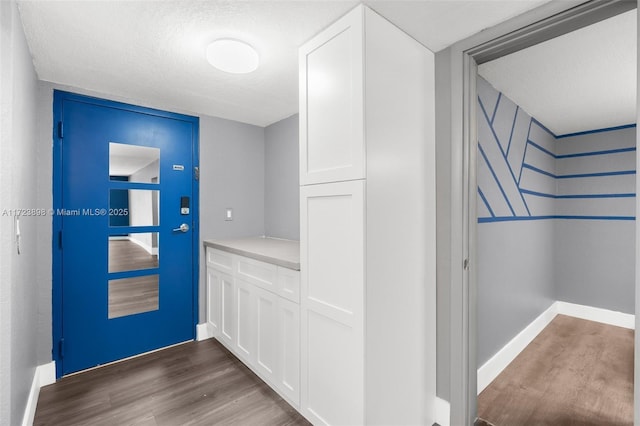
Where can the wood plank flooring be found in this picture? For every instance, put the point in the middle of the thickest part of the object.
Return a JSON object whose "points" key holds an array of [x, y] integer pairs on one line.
{"points": [[575, 372], [196, 383]]}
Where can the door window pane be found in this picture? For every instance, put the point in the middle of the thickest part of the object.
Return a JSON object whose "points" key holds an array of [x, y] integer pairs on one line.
{"points": [[129, 296], [140, 164], [130, 252], [134, 207]]}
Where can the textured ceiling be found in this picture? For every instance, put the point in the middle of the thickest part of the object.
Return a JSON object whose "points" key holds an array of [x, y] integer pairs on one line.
{"points": [[153, 51], [583, 80]]}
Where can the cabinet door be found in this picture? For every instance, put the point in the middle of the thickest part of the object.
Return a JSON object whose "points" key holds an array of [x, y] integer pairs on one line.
{"points": [[227, 316], [245, 321], [266, 334], [332, 302], [214, 302], [289, 284], [288, 378], [331, 103]]}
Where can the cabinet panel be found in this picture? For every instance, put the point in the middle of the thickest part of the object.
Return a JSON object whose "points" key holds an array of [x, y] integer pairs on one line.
{"points": [[332, 249], [267, 334], [214, 303], [227, 316], [331, 109], [289, 284], [220, 260], [256, 272], [334, 390], [245, 320], [332, 302], [288, 379]]}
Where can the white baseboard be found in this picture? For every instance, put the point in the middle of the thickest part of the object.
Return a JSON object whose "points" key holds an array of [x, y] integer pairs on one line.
{"points": [[590, 313], [47, 373], [490, 370], [44, 375], [142, 244], [203, 332], [510, 351], [442, 412]]}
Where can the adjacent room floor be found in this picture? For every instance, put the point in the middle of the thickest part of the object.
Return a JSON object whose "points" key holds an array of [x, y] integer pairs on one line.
{"points": [[575, 372], [196, 383]]}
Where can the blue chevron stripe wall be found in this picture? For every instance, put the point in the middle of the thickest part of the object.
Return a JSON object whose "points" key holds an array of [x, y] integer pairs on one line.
{"points": [[525, 172]]}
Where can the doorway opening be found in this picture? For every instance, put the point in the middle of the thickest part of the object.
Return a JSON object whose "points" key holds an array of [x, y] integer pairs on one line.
{"points": [[540, 26], [555, 233]]}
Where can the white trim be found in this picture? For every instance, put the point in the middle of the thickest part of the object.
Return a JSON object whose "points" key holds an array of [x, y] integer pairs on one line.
{"points": [[32, 400], [203, 331], [147, 247], [47, 373], [43, 375], [510, 351], [590, 313], [441, 412]]}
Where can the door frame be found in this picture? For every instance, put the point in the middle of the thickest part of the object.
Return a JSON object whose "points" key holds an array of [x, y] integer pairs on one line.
{"points": [[459, 69], [57, 135]]}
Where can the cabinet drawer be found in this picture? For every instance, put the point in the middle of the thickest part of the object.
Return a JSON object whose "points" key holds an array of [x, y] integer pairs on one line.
{"points": [[261, 274], [220, 259], [289, 284]]}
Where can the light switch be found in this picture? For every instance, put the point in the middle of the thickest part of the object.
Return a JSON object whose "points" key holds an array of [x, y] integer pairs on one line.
{"points": [[228, 214]]}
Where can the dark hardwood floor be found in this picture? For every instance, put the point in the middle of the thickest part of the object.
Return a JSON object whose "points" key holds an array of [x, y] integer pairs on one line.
{"points": [[196, 383], [575, 372]]}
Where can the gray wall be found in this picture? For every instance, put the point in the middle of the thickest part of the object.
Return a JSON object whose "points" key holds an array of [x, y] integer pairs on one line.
{"points": [[18, 189], [45, 200], [443, 221], [231, 175], [595, 259], [555, 219], [515, 273], [281, 180], [515, 280]]}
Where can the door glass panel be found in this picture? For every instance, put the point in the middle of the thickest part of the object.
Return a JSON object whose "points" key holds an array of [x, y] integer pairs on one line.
{"points": [[134, 207], [129, 296], [140, 164], [131, 252]]}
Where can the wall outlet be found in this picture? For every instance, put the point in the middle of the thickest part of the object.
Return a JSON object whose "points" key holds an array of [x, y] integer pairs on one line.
{"points": [[228, 215]]}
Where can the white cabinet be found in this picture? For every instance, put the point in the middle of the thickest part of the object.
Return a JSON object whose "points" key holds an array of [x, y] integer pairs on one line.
{"points": [[288, 351], [244, 317], [331, 96], [227, 316], [266, 321], [367, 175], [214, 303], [332, 302], [253, 309]]}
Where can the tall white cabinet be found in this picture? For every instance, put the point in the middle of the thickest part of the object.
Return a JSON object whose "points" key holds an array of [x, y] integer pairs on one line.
{"points": [[367, 175]]}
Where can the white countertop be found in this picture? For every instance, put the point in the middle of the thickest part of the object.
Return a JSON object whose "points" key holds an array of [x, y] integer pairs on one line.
{"points": [[285, 253]]}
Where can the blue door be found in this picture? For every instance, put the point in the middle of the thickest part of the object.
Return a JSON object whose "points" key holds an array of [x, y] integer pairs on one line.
{"points": [[125, 230]]}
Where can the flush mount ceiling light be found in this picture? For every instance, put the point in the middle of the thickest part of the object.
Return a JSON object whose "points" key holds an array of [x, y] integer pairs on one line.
{"points": [[232, 56]]}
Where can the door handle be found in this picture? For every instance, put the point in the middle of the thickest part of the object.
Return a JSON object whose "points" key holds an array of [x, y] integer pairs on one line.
{"points": [[183, 228]]}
